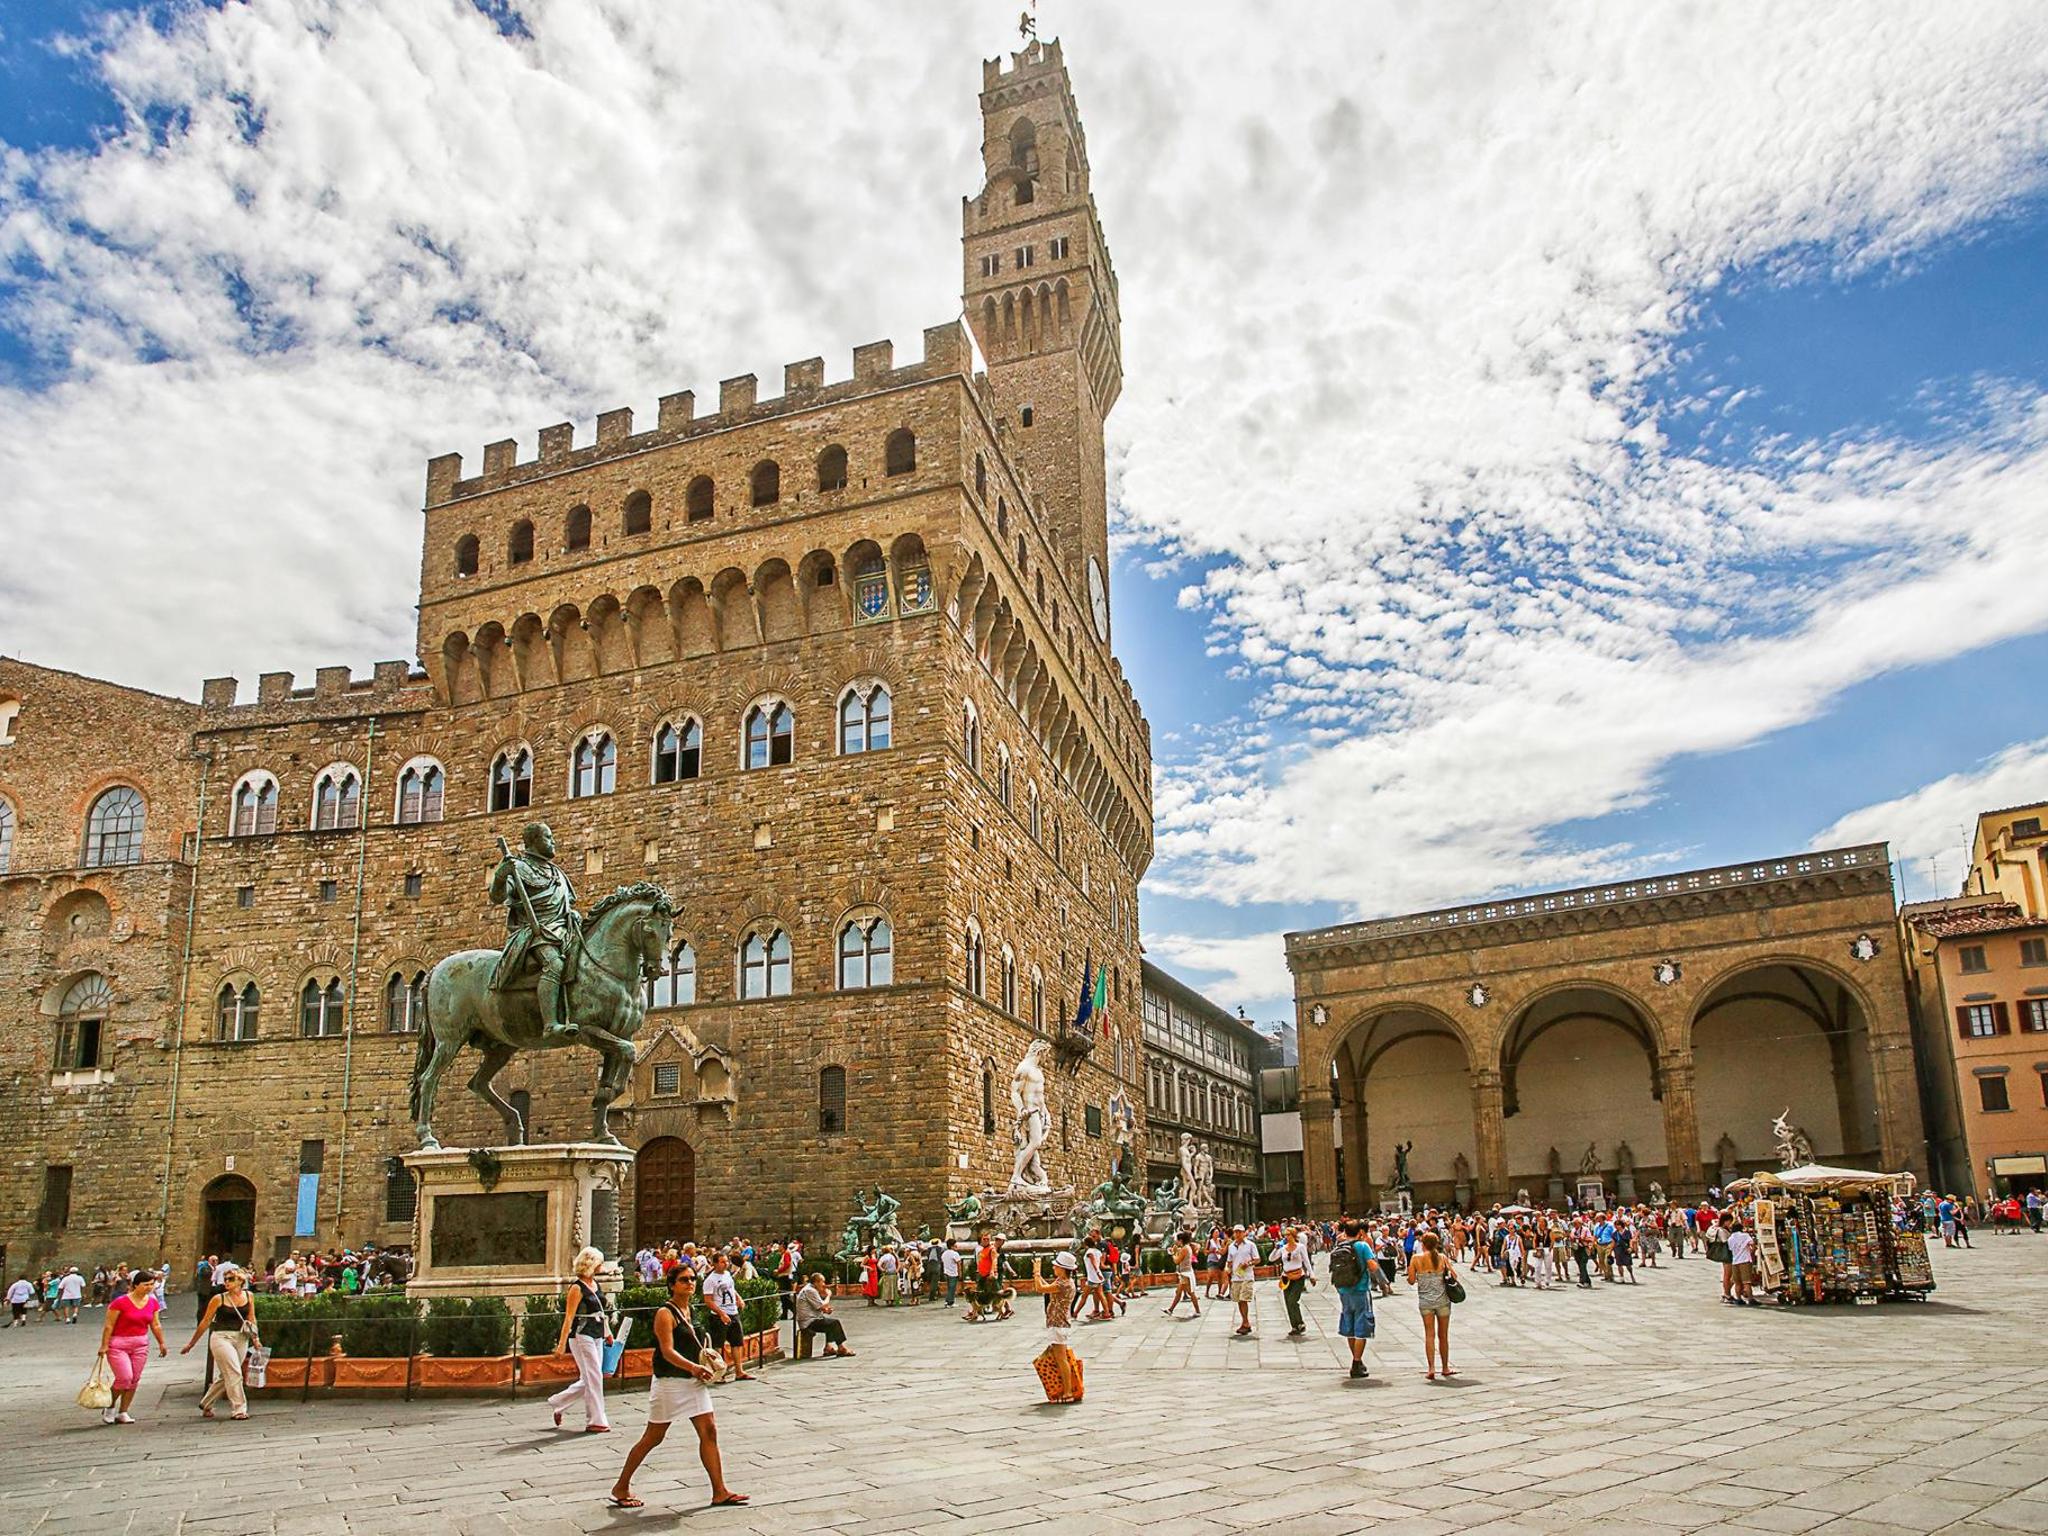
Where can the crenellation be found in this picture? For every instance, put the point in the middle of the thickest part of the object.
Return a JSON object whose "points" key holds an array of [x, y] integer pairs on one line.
{"points": [[803, 378], [218, 693], [557, 442], [677, 410], [736, 396], [873, 360], [500, 456], [330, 682], [444, 474], [614, 426], [273, 687]]}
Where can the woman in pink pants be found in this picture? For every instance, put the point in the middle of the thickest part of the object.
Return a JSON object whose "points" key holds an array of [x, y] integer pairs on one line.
{"points": [[124, 1341]]}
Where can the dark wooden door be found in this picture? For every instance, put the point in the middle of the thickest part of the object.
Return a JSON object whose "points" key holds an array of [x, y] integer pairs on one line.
{"points": [[229, 1226], [664, 1192]]}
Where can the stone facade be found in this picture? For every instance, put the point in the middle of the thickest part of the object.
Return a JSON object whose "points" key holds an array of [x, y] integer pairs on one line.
{"points": [[1649, 1030], [909, 528], [1201, 1080]]}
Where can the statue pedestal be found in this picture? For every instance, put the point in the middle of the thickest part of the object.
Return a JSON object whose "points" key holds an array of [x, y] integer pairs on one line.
{"points": [[508, 1221]]}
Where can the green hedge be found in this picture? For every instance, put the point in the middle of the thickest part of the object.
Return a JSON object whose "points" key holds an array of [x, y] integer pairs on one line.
{"points": [[463, 1327], [379, 1327], [297, 1326]]}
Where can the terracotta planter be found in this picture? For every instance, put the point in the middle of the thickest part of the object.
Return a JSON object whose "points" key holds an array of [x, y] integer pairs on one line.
{"points": [[466, 1372], [372, 1371], [545, 1369], [636, 1364], [290, 1375]]}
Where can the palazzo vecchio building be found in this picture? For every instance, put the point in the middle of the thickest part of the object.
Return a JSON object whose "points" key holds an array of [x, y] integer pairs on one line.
{"points": [[832, 665]]}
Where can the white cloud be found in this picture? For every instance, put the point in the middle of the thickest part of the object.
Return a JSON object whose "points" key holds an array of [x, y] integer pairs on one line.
{"points": [[1399, 285], [1250, 970], [1930, 828]]}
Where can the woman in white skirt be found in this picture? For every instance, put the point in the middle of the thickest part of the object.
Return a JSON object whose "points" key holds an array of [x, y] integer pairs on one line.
{"points": [[677, 1392], [229, 1323], [585, 1331]]}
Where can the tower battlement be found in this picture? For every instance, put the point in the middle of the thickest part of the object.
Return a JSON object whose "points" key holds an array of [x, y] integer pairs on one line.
{"points": [[1034, 57], [803, 388]]}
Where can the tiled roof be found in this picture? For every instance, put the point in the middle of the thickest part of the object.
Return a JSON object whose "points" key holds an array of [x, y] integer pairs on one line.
{"points": [[1989, 917]]}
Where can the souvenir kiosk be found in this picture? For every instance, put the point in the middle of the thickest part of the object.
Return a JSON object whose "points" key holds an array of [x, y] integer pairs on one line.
{"points": [[1827, 1234]]}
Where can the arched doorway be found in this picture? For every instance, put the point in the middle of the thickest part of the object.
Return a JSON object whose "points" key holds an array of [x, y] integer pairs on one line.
{"points": [[1403, 1078], [227, 1218], [1782, 1038], [664, 1191], [1579, 1079]]}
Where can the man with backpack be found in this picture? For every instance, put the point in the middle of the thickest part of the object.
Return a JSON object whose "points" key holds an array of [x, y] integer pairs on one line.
{"points": [[1353, 1272]]}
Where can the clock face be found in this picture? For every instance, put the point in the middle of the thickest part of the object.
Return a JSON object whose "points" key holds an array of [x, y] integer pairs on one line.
{"points": [[1098, 599]]}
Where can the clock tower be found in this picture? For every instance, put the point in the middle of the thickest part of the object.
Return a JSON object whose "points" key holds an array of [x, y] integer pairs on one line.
{"points": [[1040, 294]]}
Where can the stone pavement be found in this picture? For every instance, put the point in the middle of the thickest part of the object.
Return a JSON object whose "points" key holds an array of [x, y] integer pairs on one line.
{"points": [[1653, 1409]]}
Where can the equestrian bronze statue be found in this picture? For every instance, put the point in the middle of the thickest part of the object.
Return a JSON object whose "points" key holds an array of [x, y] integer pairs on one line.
{"points": [[560, 979]]}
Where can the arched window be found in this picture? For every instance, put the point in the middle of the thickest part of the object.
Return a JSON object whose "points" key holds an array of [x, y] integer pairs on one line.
{"points": [[421, 788], [765, 484], [405, 1002], [970, 735], [6, 835], [577, 533], [676, 986], [832, 1100], [1031, 806], [771, 734], [1037, 1001], [235, 1011], [1003, 525], [81, 1023], [980, 476], [466, 555], [1009, 981], [337, 799], [697, 507], [113, 829], [519, 547], [1003, 774], [512, 780], [864, 719], [1024, 146], [678, 750], [594, 767], [254, 807], [638, 512], [320, 1008], [866, 953], [988, 1101], [976, 978], [899, 454], [765, 964], [832, 469]]}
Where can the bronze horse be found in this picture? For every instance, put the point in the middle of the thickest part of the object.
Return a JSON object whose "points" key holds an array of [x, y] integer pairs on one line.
{"points": [[625, 940]]}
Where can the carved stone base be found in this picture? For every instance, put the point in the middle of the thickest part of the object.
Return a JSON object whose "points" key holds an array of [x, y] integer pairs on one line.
{"points": [[508, 1221]]}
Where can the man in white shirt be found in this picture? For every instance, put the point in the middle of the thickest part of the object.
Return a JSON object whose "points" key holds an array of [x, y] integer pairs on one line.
{"points": [[949, 1266], [1241, 1259], [1742, 1259], [70, 1293], [722, 1297]]}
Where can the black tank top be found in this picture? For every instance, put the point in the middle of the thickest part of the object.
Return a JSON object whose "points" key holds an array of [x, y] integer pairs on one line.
{"points": [[684, 1338], [227, 1317], [589, 1322]]}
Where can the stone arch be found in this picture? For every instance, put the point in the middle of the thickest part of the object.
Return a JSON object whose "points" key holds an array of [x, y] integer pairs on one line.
{"points": [[1777, 1033], [650, 639], [775, 593], [1400, 1071], [462, 680], [732, 610], [820, 593], [605, 623], [1581, 1058], [689, 614], [532, 659]]}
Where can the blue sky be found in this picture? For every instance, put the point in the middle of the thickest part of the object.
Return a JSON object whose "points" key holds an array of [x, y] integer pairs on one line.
{"points": [[1558, 443]]}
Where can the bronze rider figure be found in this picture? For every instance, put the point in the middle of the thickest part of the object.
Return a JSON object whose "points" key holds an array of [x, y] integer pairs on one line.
{"points": [[540, 920]]}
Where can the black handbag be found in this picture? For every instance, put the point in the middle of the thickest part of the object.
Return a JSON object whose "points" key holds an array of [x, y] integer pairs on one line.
{"points": [[1454, 1288]]}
